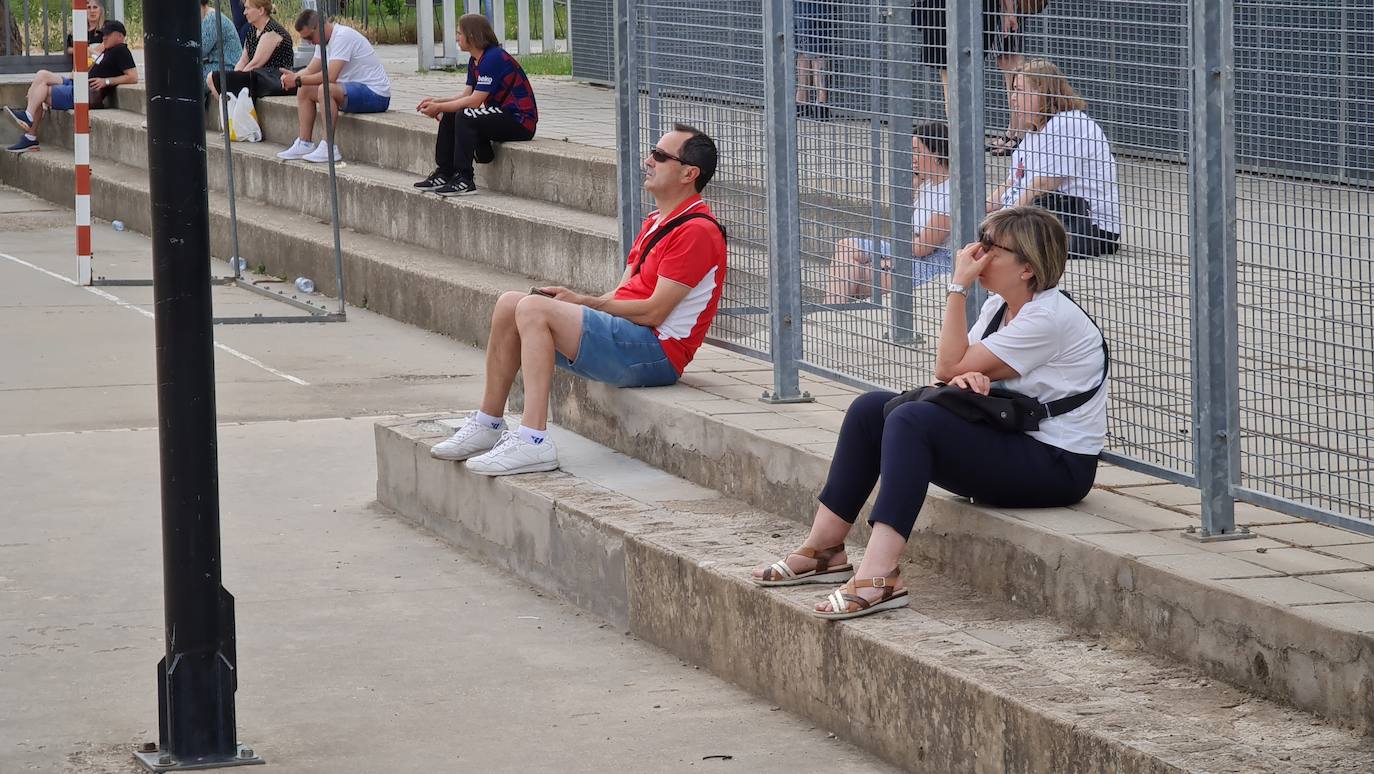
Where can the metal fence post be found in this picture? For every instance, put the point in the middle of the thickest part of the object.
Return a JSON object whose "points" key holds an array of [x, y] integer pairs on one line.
{"points": [[968, 177], [1212, 194], [424, 34], [628, 162], [784, 214], [449, 33], [901, 179]]}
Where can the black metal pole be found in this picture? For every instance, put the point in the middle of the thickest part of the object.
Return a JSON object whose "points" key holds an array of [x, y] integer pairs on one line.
{"points": [[196, 679]]}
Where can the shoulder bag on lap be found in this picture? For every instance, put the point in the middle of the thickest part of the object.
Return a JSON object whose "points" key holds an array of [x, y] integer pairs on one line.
{"points": [[1002, 408]]}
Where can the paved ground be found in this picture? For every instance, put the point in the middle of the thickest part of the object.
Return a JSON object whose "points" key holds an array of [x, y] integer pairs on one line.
{"points": [[364, 645]]}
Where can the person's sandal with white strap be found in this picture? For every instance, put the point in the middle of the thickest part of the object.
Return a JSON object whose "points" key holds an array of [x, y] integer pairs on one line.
{"points": [[780, 574], [851, 605]]}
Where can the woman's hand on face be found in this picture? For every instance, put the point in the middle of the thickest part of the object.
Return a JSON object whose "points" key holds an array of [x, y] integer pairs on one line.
{"points": [[974, 381], [968, 265]]}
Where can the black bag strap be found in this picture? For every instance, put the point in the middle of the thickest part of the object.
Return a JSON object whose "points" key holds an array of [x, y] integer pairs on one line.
{"points": [[665, 229], [1069, 403]]}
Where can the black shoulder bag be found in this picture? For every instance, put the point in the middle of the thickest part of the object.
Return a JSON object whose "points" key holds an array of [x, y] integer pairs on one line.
{"points": [[1002, 408], [665, 229]]}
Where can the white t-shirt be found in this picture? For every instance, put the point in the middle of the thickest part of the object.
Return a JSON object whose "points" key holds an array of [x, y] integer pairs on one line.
{"points": [[361, 64], [1057, 351], [931, 199], [1074, 147]]}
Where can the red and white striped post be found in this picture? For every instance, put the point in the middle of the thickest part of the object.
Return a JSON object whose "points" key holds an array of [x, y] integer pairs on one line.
{"points": [[81, 143]]}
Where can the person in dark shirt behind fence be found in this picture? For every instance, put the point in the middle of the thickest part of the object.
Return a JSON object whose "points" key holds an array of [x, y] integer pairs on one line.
{"points": [[497, 105]]}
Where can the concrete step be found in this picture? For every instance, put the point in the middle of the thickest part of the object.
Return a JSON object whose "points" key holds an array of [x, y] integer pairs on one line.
{"points": [[380, 275], [958, 682], [536, 238], [575, 176], [1103, 566]]}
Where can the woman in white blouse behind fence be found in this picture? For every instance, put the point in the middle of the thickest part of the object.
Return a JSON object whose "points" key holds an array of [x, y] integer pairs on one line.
{"points": [[1064, 164]]}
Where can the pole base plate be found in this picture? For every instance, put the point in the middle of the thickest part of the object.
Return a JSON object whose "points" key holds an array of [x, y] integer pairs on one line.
{"points": [[160, 761], [1205, 537]]}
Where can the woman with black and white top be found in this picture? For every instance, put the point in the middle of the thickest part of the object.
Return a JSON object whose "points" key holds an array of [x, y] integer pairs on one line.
{"points": [[1064, 164], [1044, 346], [267, 50]]}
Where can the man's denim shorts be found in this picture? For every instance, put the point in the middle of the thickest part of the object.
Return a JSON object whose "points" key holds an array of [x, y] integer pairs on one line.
{"points": [[61, 96], [360, 99], [618, 352]]}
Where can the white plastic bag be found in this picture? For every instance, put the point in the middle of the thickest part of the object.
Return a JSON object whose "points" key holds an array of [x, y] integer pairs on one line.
{"points": [[243, 118]]}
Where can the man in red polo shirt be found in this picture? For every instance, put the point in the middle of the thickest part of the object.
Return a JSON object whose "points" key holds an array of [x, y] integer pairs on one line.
{"points": [[642, 334]]}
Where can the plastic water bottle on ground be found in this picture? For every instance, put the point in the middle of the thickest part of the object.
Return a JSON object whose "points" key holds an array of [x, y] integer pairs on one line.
{"points": [[118, 225], [239, 263], [305, 285]]}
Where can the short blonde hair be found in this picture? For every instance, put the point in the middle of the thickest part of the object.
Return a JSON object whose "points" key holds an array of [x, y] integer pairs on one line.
{"points": [[1036, 236], [1041, 77]]}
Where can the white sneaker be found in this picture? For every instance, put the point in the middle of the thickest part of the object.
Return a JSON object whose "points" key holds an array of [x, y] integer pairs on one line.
{"points": [[515, 455], [299, 150], [321, 154], [471, 439]]}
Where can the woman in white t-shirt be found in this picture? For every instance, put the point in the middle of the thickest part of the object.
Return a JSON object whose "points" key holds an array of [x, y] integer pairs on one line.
{"points": [[1064, 164], [851, 271], [1030, 338]]}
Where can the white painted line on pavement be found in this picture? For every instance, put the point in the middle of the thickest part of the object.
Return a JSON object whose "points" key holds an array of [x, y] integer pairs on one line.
{"points": [[121, 302]]}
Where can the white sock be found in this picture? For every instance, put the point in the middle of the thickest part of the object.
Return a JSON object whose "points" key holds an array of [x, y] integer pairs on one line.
{"points": [[535, 437], [31, 138], [488, 420]]}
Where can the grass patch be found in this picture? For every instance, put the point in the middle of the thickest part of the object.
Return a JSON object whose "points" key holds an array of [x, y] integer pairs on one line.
{"points": [[552, 63]]}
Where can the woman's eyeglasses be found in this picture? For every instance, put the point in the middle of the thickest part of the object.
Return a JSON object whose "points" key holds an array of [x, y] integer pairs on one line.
{"points": [[659, 155], [988, 244]]}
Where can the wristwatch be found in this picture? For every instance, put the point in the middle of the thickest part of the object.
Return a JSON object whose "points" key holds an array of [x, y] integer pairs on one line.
{"points": [[955, 287]]}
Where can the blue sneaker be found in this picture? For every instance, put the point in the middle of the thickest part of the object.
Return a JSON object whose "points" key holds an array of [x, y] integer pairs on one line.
{"points": [[20, 117], [23, 146]]}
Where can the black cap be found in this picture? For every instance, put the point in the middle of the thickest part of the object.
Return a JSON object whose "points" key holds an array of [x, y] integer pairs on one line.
{"points": [[113, 26]]}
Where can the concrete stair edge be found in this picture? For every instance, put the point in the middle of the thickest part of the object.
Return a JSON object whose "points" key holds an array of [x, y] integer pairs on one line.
{"points": [[577, 176], [919, 695]]}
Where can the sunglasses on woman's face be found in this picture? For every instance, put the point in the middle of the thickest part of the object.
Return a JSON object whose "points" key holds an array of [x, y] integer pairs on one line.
{"points": [[661, 156], [986, 240]]}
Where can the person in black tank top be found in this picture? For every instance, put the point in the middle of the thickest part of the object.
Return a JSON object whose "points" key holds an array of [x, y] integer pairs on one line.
{"points": [[267, 49]]}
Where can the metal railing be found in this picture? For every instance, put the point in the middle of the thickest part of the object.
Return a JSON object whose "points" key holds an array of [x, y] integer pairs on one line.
{"points": [[1239, 304]]}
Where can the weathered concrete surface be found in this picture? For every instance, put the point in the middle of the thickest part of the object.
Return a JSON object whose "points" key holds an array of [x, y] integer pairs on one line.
{"points": [[364, 645], [516, 234], [957, 683], [569, 174], [1323, 665]]}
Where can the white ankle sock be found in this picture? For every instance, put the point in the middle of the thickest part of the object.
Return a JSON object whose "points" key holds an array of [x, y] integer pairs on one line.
{"points": [[535, 437], [31, 138], [488, 420]]}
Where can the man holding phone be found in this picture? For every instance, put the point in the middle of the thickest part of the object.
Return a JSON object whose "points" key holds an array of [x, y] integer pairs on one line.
{"points": [[642, 334]]}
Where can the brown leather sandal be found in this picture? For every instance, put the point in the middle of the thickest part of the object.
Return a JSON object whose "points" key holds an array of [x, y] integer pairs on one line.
{"points": [[779, 574], [843, 606]]}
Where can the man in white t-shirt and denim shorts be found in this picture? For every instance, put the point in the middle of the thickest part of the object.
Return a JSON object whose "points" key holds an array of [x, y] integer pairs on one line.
{"points": [[357, 82]]}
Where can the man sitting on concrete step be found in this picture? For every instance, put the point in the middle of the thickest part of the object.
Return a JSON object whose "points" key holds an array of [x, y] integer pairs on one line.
{"points": [[357, 83], [642, 334], [110, 67]]}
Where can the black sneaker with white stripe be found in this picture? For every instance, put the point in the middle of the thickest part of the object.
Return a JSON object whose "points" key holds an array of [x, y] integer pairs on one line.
{"points": [[459, 186], [436, 180]]}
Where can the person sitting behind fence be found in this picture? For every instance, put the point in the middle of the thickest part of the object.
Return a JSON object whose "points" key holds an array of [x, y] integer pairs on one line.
{"points": [[1031, 338], [642, 334], [851, 273], [1064, 164], [267, 50], [114, 66], [219, 41], [95, 34], [357, 83], [497, 105]]}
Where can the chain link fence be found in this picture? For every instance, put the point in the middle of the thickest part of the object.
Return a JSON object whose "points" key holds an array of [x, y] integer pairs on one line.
{"points": [[1223, 152]]}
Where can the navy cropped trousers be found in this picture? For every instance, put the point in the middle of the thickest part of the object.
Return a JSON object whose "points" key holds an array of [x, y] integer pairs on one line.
{"points": [[921, 443]]}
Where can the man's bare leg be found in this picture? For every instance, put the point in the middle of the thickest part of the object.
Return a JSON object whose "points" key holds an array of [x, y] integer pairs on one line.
{"points": [[305, 111], [38, 96], [503, 354], [545, 326]]}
